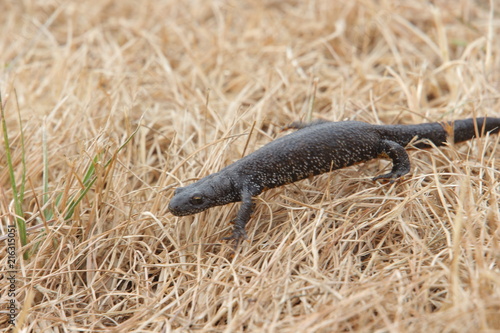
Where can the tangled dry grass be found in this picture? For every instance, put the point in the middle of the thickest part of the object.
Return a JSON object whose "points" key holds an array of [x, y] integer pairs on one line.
{"points": [[205, 82]]}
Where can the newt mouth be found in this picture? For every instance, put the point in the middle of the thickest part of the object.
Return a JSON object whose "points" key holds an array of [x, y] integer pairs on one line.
{"points": [[176, 210], [182, 211]]}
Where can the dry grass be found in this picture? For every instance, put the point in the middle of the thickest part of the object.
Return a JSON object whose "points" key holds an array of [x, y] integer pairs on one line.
{"points": [[338, 253]]}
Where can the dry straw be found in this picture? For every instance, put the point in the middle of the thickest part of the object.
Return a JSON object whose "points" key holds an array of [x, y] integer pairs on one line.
{"points": [[122, 101]]}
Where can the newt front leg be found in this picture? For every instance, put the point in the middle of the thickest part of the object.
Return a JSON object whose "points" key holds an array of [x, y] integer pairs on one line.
{"points": [[246, 209]]}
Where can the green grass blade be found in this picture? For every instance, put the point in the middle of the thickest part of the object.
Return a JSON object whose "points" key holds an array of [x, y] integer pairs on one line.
{"points": [[91, 170], [45, 175], [21, 223], [23, 156], [90, 178]]}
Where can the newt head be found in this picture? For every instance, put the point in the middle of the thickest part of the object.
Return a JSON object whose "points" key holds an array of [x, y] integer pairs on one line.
{"points": [[208, 192], [186, 202]]}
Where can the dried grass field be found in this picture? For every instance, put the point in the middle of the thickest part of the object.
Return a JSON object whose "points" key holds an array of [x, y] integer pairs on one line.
{"points": [[120, 102]]}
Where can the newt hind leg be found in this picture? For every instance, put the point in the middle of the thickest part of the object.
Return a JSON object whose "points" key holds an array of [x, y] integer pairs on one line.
{"points": [[400, 160]]}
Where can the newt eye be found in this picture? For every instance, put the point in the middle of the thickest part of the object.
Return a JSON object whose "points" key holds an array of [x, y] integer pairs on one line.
{"points": [[196, 200]]}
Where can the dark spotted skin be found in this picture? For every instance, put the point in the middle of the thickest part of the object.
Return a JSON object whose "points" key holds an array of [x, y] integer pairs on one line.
{"points": [[314, 149]]}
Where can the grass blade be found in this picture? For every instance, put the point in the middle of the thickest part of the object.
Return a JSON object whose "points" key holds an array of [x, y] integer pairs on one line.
{"points": [[90, 178], [18, 195]]}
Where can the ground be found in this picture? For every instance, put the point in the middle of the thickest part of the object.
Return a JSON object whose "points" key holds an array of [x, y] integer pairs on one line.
{"points": [[120, 102]]}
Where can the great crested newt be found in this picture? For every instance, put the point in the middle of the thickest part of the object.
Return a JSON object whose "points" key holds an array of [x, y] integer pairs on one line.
{"points": [[314, 149]]}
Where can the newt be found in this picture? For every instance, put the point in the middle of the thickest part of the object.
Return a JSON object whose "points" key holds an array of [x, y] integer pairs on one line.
{"points": [[313, 149]]}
